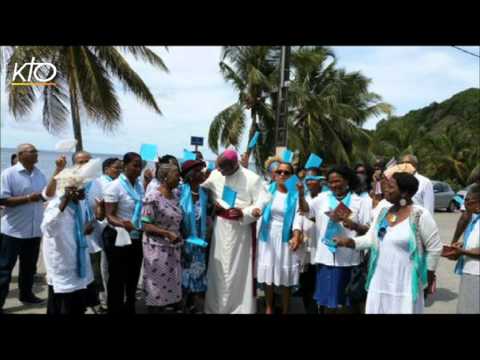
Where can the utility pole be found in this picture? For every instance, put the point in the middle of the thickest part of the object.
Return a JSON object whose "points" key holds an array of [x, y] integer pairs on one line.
{"points": [[281, 129]]}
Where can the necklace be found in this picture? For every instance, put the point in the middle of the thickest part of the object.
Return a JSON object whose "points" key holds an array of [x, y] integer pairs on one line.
{"points": [[194, 193], [392, 218]]}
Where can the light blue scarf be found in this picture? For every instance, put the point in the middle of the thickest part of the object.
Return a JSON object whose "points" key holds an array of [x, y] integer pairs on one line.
{"points": [[80, 240], [108, 178], [88, 211], [334, 228], [288, 216], [136, 194], [418, 261], [188, 207], [468, 231]]}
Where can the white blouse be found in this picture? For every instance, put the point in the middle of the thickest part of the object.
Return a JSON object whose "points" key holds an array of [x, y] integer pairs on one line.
{"points": [[472, 265], [428, 231], [343, 256], [115, 193], [59, 248]]}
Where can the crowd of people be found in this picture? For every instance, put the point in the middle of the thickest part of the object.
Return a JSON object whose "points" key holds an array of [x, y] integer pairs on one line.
{"points": [[197, 240]]}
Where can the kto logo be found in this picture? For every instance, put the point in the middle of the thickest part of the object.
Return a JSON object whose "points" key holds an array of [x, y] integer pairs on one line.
{"points": [[34, 72]]}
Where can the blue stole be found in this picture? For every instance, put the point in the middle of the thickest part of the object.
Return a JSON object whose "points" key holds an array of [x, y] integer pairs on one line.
{"points": [[189, 222], [136, 194], [468, 231], [288, 217], [334, 228], [88, 211], [108, 178], [80, 240]]}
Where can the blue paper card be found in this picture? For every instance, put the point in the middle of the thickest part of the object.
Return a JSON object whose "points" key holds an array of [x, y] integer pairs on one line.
{"points": [[254, 140], [287, 156], [459, 200], [149, 152], [313, 161], [211, 165], [291, 184], [188, 155], [196, 241], [229, 196]]}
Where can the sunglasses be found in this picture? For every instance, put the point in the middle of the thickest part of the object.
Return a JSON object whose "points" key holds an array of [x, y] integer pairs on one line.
{"points": [[283, 172]]}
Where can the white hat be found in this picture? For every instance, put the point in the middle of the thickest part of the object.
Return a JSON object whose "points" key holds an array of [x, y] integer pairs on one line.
{"points": [[78, 176]]}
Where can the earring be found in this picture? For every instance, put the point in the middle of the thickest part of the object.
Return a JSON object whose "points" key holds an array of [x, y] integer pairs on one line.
{"points": [[403, 202]]}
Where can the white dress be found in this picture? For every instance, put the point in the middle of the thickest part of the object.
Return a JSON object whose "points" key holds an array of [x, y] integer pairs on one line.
{"points": [[277, 264], [230, 272], [390, 290]]}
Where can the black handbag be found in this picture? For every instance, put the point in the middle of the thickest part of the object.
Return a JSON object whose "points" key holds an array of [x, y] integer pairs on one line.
{"points": [[355, 289]]}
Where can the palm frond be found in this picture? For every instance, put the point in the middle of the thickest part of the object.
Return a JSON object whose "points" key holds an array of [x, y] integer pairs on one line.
{"points": [[120, 68], [95, 87]]}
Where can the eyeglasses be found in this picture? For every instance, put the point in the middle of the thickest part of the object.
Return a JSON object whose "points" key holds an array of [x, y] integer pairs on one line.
{"points": [[361, 172], [29, 151], [283, 172]]}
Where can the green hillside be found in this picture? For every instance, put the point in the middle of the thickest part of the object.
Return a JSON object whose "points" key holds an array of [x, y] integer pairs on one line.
{"points": [[444, 136]]}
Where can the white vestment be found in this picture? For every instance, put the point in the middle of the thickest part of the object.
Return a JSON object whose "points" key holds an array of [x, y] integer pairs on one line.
{"points": [[230, 273]]}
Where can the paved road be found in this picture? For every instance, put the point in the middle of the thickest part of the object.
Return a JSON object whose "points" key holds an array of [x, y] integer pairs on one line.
{"points": [[443, 302]]}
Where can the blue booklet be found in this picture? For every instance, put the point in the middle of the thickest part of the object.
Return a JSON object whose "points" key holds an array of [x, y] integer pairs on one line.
{"points": [[196, 241], [229, 196], [211, 165], [313, 161], [254, 140], [291, 184], [287, 156], [188, 155], [149, 152]]}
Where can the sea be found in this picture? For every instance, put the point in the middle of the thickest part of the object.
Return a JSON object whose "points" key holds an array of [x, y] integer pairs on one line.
{"points": [[46, 159]]}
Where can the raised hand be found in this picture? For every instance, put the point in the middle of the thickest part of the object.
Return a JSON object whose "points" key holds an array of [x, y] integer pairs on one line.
{"points": [[60, 163]]}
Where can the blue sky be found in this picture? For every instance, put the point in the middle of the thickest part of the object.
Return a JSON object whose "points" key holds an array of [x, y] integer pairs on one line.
{"points": [[193, 92]]}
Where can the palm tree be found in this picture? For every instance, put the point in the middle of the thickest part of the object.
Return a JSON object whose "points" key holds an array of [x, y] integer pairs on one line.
{"points": [[84, 80], [250, 70], [328, 106]]}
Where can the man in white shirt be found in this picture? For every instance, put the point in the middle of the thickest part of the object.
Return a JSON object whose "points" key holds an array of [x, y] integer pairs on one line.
{"points": [[65, 253], [21, 188], [424, 196]]}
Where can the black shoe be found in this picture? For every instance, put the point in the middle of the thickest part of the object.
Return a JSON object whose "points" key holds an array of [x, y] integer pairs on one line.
{"points": [[32, 300]]}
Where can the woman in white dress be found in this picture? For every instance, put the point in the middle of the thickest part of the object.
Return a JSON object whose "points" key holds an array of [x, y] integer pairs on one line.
{"points": [[404, 250], [334, 266], [278, 262], [468, 255]]}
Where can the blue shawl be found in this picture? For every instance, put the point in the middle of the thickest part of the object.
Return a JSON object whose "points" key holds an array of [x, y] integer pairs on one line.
{"points": [[136, 193], [468, 231], [288, 217], [80, 240], [334, 228], [189, 223]]}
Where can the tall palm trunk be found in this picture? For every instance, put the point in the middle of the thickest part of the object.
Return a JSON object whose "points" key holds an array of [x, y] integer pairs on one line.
{"points": [[77, 128], [74, 110]]}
